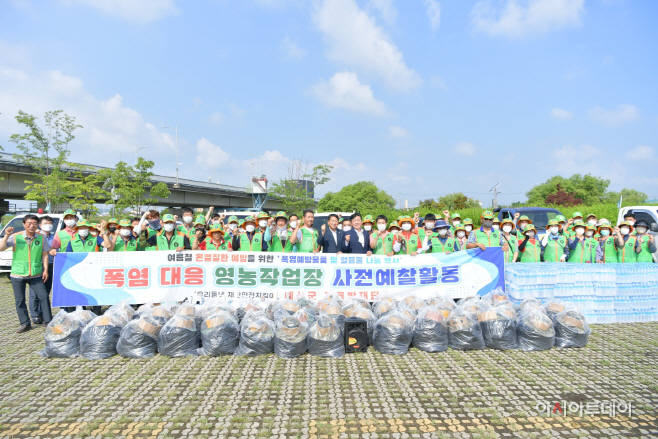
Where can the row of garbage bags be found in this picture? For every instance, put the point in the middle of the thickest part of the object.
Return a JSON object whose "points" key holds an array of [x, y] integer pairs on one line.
{"points": [[289, 328]]}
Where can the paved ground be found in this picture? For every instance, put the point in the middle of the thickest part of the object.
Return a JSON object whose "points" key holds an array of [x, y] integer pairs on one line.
{"points": [[486, 394]]}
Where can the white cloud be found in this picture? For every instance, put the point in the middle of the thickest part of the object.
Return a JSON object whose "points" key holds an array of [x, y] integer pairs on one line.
{"points": [[291, 49], [640, 153], [561, 114], [355, 39], [434, 14], [216, 118], [622, 114], [211, 155], [385, 8], [140, 11], [521, 18], [465, 148], [397, 132], [237, 111], [344, 90]]}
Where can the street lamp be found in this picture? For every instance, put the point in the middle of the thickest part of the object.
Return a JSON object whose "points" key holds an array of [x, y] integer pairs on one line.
{"points": [[137, 150], [176, 129], [260, 161]]}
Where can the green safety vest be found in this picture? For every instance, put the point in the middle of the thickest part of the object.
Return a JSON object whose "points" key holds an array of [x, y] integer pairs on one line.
{"points": [[627, 254], [645, 255], [437, 247], [380, 247], [27, 257], [87, 246], [64, 239], [256, 241], [177, 240], [189, 232], [490, 240], [277, 246], [210, 245], [388, 243], [309, 241], [412, 242], [609, 250], [532, 252], [594, 243], [580, 254], [513, 244], [131, 246], [422, 232], [555, 249]]}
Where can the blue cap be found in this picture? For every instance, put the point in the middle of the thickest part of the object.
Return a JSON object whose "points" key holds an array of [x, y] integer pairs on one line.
{"points": [[440, 223]]}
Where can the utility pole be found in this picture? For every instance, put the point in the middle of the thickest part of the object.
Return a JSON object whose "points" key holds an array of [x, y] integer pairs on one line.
{"points": [[495, 191]]}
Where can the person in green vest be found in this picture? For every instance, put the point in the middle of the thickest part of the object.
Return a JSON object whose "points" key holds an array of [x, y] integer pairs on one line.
{"points": [[461, 237], [562, 222], [278, 235], [263, 220], [112, 229], [232, 227], [389, 240], [646, 240], [29, 267], [304, 235], [468, 225], [575, 218], [579, 246], [85, 242], [153, 224], [62, 238], [627, 244], [506, 229], [555, 247], [367, 224], [591, 219], [441, 242], [455, 220], [522, 221], [426, 232], [496, 223], [199, 230], [188, 222], [166, 239], [125, 241], [378, 237], [252, 240], [530, 247], [629, 217], [485, 236], [215, 241], [592, 236], [606, 252], [407, 242]]}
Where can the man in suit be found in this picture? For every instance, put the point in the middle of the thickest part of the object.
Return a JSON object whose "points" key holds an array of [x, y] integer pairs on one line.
{"points": [[356, 240], [332, 237]]}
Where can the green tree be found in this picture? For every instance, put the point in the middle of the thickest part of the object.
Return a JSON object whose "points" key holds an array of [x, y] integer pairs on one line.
{"points": [[590, 189], [363, 196], [85, 190], [630, 197], [291, 190], [46, 154], [132, 187]]}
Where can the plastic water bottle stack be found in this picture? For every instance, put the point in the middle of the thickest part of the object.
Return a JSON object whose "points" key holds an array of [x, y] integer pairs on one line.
{"points": [[606, 293]]}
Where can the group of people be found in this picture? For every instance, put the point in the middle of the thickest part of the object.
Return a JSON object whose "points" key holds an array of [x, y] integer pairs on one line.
{"points": [[578, 240]]}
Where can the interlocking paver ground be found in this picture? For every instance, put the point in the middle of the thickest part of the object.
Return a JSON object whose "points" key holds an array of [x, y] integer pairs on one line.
{"points": [[485, 394]]}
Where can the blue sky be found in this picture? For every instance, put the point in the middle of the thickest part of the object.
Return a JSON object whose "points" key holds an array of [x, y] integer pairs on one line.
{"points": [[424, 97]]}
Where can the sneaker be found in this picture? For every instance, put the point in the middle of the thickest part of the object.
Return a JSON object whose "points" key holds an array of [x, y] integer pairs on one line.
{"points": [[24, 328]]}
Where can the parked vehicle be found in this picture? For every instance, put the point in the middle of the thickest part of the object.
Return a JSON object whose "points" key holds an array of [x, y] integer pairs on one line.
{"points": [[540, 216]]}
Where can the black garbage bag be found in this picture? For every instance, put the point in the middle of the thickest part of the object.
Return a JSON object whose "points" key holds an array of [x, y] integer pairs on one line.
{"points": [[571, 329], [220, 335], [535, 330], [430, 330], [179, 337], [99, 338], [290, 338], [464, 331], [393, 333], [256, 334], [139, 338], [62, 336], [324, 338], [498, 327]]}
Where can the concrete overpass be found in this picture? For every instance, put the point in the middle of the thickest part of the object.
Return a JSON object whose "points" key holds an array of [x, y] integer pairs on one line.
{"points": [[188, 193]]}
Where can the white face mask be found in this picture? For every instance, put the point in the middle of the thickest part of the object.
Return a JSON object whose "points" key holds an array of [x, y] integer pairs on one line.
{"points": [[469, 228], [605, 232], [443, 232], [340, 226], [507, 229], [126, 232], [262, 223], [395, 232], [406, 227], [70, 223], [641, 230], [250, 228], [580, 231], [461, 234], [554, 230], [347, 228], [367, 228], [47, 227], [94, 232], [83, 232], [530, 234], [293, 225], [232, 226], [455, 223], [592, 222], [589, 233], [496, 226], [625, 230], [168, 227], [381, 227], [187, 219], [429, 226]]}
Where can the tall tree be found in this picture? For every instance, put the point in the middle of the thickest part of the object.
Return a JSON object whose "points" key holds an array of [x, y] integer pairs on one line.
{"points": [[292, 190], [590, 189], [132, 187], [363, 196], [85, 190]]}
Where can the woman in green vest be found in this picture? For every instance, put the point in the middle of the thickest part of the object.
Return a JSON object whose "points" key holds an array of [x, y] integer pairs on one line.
{"points": [[646, 240], [553, 244], [591, 235], [63, 237], [367, 224], [167, 239], [530, 247], [579, 246], [455, 220], [278, 235], [627, 244], [440, 242], [606, 252], [389, 240], [407, 241], [461, 237], [506, 228], [125, 241], [215, 240], [251, 240]]}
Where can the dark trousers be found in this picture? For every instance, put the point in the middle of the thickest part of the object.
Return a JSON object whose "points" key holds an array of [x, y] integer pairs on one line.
{"points": [[35, 303], [36, 284]]}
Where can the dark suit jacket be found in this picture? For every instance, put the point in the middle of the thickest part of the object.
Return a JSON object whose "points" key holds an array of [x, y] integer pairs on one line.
{"points": [[327, 241], [354, 246]]}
